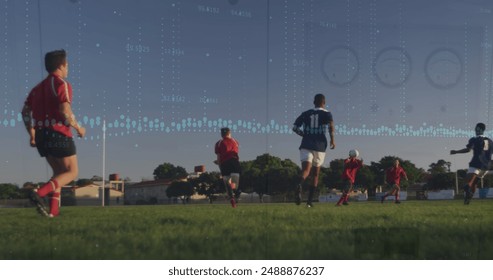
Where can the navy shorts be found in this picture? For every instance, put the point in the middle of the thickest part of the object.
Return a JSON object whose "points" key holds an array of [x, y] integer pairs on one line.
{"points": [[230, 166], [53, 143]]}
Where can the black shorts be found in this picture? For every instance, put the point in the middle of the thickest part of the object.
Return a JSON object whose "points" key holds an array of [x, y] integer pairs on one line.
{"points": [[230, 166], [53, 143]]}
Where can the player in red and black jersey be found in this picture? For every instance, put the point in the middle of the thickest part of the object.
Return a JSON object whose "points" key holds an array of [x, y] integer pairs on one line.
{"points": [[227, 150], [479, 165], [48, 118], [393, 177], [351, 165], [312, 125]]}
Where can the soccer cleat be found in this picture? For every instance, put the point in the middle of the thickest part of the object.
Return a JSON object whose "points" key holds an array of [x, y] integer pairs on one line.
{"points": [[298, 195], [233, 203], [38, 202]]}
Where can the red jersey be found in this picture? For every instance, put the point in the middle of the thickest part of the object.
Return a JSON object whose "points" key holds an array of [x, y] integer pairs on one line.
{"points": [[44, 101], [351, 166], [227, 148], [394, 175]]}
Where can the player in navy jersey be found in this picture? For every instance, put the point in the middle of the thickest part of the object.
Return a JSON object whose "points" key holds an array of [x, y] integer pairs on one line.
{"points": [[312, 125], [479, 165]]}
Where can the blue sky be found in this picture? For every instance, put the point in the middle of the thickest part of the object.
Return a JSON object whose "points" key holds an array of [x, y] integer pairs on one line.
{"points": [[404, 78]]}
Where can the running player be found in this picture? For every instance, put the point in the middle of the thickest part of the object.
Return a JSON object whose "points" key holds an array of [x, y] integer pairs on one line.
{"points": [[393, 178], [226, 150], [351, 165], [312, 126], [480, 163], [48, 119]]}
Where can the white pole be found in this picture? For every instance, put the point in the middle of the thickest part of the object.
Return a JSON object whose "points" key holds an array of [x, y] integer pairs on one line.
{"points": [[104, 160]]}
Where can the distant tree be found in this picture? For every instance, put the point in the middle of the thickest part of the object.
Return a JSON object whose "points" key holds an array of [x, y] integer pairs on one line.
{"points": [[270, 175], [169, 171], [96, 178], [441, 166], [208, 184], [440, 181], [365, 178], [333, 174], [9, 191], [84, 182], [440, 176], [180, 189]]}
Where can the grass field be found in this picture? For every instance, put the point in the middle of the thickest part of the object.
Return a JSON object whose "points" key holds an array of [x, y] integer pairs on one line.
{"points": [[363, 230]]}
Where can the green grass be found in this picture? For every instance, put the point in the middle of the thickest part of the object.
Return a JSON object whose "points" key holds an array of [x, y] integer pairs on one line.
{"points": [[363, 230]]}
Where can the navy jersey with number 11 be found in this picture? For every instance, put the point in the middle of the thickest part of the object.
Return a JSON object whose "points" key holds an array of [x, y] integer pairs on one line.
{"points": [[482, 149], [314, 124]]}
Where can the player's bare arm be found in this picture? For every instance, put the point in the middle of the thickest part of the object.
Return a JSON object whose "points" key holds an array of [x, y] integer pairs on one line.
{"points": [[463, 151], [27, 119], [331, 134], [70, 120]]}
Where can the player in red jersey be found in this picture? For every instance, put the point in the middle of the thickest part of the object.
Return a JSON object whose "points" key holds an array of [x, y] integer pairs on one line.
{"points": [[48, 118], [228, 160], [351, 165], [393, 177]]}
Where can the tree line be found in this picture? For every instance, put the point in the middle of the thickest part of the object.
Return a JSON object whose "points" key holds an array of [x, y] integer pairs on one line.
{"points": [[271, 175]]}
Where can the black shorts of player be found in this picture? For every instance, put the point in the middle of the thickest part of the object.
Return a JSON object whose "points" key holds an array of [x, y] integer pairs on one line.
{"points": [[230, 166], [53, 143]]}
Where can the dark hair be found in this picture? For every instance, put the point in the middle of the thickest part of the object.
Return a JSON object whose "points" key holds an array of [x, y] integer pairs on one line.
{"points": [[224, 131], [319, 100], [55, 59], [482, 126]]}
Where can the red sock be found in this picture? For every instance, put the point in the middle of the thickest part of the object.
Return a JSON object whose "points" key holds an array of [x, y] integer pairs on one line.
{"points": [[341, 199], [47, 188], [55, 204]]}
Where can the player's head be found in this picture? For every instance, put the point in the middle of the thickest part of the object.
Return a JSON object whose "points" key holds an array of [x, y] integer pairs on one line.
{"points": [[319, 100], [480, 128], [55, 60], [396, 163], [225, 132]]}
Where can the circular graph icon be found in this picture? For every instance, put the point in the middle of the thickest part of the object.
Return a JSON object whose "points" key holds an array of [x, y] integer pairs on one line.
{"points": [[392, 67], [340, 65], [443, 68]]}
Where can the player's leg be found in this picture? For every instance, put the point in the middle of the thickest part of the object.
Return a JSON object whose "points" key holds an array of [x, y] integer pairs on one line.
{"points": [[479, 176], [386, 193], [470, 184], [344, 191], [318, 160], [306, 158], [68, 172], [397, 190], [346, 198], [229, 190], [311, 190], [235, 185]]}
